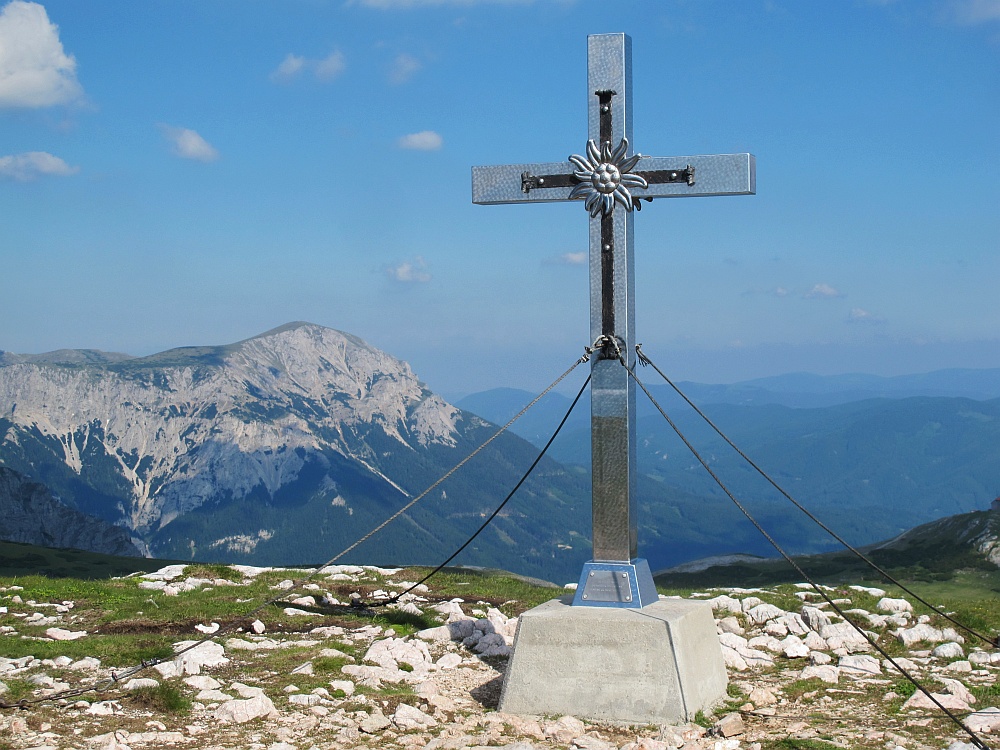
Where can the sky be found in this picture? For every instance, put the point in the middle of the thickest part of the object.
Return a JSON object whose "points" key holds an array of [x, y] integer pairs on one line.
{"points": [[188, 173]]}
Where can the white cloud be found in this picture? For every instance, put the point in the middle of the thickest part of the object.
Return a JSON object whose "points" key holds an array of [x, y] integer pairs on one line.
{"points": [[425, 140], [34, 164], [35, 71], [409, 272], [325, 69], [976, 11], [777, 291], [187, 144], [822, 291], [404, 67], [858, 315], [573, 259], [290, 68], [330, 66]]}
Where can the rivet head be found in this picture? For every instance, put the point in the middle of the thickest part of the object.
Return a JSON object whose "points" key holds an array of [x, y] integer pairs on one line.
{"points": [[624, 575], [584, 596], [591, 574], [605, 109]]}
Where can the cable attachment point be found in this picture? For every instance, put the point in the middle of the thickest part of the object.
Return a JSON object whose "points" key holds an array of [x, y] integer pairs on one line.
{"points": [[643, 359], [610, 347]]}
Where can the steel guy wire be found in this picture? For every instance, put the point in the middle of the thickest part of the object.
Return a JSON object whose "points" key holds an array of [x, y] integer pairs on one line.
{"points": [[500, 507], [994, 642], [977, 741]]}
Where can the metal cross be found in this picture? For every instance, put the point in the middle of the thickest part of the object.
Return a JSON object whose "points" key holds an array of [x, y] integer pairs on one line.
{"points": [[611, 180]]}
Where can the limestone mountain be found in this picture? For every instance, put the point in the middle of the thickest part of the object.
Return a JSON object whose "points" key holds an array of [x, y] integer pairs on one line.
{"points": [[284, 447], [30, 515]]}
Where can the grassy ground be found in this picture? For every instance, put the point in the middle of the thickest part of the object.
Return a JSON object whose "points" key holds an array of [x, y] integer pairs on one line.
{"points": [[127, 624]]}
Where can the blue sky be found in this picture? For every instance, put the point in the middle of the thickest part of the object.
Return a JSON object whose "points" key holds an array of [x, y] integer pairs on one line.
{"points": [[179, 173]]}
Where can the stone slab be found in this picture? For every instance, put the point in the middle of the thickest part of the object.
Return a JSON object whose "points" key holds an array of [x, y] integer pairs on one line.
{"points": [[657, 665]]}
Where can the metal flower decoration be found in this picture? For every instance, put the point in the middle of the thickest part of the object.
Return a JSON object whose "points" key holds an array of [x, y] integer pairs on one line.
{"points": [[604, 177]]}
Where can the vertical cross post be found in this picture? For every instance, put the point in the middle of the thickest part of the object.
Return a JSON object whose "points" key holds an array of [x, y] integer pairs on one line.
{"points": [[610, 186]]}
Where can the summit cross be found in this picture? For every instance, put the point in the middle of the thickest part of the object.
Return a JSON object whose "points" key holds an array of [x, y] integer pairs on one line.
{"points": [[611, 181]]}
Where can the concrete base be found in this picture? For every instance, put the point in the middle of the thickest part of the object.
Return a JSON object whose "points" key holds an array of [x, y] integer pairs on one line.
{"points": [[657, 665]]}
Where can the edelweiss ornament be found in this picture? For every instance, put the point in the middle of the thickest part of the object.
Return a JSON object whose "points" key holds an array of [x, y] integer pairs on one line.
{"points": [[604, 177]]}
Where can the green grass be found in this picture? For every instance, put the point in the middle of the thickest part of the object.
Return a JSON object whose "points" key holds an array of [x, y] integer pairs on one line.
{"points": [[25, 559], [163, 699]]}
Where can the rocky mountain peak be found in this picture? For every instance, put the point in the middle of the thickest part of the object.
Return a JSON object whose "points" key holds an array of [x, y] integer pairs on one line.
{"points": [[176, 429]]}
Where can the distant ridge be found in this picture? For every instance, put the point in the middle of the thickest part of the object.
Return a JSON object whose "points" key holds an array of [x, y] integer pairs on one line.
{"points": [[64, 357], [935, 551]]}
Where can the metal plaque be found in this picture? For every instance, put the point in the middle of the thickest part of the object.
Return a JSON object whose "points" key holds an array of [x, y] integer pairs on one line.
{"points": [[607, 586]]}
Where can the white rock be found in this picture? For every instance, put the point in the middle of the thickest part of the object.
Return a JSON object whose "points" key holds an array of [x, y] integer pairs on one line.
{"points": [[952, 703], [815, 641], [959, 666], [818, 657], [104, 708], [794, 622], [303, 699], [760, 696], [86, 664], [907, 664], [761, 613], [844, 635], [726, 603], [246, 691], [815, 618], [346, 686], [948, 651], [794, 648], [730, 625], [732, 660], [138, 683], [212, 696], [206, 654], [202, 682], [293, 612], [768, 642], [868, 590], [242, 711], [824, 672], [919, 632], [985, 720], [776, 628], [59, 634], [893, 606], [207, 629], [257, 627], [860, 665], [390, 652], [449, 661], [408, 717], [960, 691]]}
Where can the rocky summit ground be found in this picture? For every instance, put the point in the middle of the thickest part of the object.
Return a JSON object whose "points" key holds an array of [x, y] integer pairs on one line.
{"points": [[301, 678]]}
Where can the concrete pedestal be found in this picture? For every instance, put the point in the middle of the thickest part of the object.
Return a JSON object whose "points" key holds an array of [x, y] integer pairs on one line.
{"points": [[657, 665]]}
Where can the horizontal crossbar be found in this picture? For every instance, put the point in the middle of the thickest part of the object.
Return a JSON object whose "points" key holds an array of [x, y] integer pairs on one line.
{"points": [[720, 174]]}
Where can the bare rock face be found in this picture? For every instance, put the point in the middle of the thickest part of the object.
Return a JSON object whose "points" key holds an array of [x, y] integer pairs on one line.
{"points": [[160, 436], [30, 515]]}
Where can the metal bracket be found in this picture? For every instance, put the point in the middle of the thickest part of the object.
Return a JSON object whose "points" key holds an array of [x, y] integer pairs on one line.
{"points": [[662, 176], [531, 182]]}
